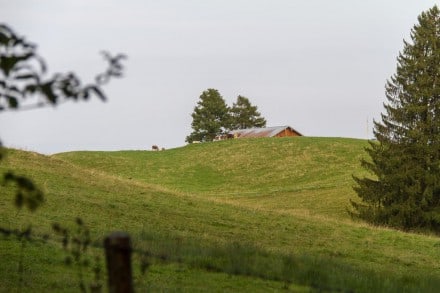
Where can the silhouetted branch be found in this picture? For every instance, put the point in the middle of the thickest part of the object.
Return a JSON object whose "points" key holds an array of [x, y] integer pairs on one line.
{"points": [[22, 73]]}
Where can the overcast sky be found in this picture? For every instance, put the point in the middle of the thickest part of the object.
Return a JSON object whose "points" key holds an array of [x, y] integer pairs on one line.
{"points": [[319, 66]]}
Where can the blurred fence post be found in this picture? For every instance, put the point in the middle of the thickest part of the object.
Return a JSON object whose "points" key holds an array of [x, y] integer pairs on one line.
{"points": [[118, 257]]}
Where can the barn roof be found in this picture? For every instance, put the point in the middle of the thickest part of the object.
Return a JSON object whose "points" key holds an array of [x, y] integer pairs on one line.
{"points": [[261, 132]]}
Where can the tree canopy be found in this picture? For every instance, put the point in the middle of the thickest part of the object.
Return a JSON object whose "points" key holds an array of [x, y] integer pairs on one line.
{"points": [[404, 189], [212, 116], [245, 115]]}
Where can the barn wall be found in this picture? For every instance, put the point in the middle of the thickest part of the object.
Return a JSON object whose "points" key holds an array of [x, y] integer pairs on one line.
{"points": [[287, 132]]}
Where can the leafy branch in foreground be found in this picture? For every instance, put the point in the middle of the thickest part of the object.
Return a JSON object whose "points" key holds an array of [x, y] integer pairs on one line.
{"points": [[27, 194], [23, 85], [22, 76], [76, 245]]}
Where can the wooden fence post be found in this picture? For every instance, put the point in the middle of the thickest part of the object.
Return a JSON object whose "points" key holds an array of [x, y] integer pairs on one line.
{"points": [[118, 257]]}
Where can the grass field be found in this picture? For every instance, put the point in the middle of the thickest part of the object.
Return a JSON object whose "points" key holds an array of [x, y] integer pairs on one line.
{"points": [[253, 215]]}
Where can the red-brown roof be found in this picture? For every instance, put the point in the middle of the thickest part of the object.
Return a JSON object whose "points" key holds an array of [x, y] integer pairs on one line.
{"points": [[261, 132]]}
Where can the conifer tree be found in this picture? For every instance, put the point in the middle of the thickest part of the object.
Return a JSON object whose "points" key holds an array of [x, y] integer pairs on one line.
{"points": [[244, 115], [210, 117], [404, 189]]}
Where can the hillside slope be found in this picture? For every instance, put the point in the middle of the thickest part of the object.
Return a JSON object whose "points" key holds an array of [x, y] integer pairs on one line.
{"points": [[285, 174], [230, 213]]}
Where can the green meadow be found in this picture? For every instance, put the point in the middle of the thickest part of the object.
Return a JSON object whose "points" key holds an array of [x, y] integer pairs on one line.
{"points": [[255, 215]]}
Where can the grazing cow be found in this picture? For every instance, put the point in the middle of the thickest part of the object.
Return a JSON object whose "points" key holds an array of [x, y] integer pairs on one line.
{"points": [[155, 148]]}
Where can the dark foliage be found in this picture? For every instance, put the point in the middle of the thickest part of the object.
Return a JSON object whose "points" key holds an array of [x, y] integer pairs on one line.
{"points": [[210, 117], [245, 115], [404, 189], [23, 85], [22, 76], [27, 194], [76, 244]]}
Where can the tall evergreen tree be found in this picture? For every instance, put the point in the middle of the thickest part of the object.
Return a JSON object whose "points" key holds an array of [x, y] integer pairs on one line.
{"points": [[404, 191], [210, 117], [244, 115]]}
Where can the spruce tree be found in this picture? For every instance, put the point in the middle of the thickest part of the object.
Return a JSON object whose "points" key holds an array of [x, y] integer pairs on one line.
{"points": [[210, 117], [244, 115], [404, 189]]}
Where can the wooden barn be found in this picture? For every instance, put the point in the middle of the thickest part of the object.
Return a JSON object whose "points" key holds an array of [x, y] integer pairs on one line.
{"points": [[278, 131]]}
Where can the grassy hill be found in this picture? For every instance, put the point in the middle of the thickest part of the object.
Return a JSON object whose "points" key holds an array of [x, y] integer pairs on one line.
{"points": [[240, 215], [281, 173]]}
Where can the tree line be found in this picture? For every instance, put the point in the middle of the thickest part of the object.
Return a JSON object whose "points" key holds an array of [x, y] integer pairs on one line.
{"points": [[213, 117]]}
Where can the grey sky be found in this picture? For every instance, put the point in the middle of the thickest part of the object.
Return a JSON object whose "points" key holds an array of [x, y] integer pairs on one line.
{"points": [[319, 66]]}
